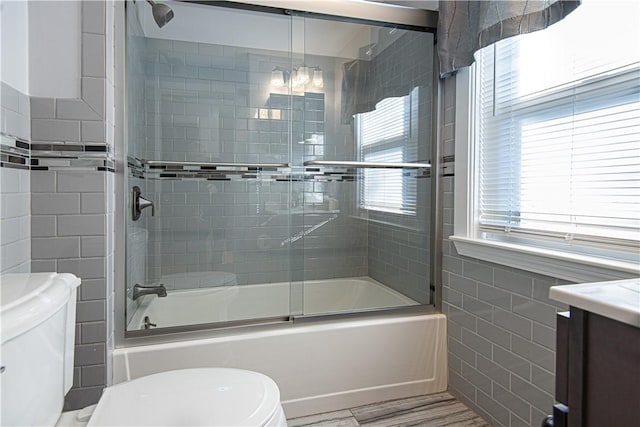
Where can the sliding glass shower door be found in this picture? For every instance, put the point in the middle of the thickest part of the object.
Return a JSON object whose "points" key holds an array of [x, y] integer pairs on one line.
{"points": [[278, 167], [209, 146], [364, 152]]}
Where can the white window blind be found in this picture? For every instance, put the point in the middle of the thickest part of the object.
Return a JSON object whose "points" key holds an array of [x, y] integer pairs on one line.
{"points": [[384, 135], [559, 129]]}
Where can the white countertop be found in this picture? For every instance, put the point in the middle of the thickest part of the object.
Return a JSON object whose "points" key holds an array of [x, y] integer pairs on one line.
{"points": [[618, 300]]}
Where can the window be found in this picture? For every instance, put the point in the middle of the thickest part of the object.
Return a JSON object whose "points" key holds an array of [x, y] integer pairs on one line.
{"points": [[385, 135], [555, 139]]}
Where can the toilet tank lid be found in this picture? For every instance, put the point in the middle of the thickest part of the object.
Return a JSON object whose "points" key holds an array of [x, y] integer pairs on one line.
{"points": [[28, 299], [194, 397]]}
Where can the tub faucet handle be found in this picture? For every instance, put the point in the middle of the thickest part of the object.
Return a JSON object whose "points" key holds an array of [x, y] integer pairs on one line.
{"points": [[139, 203]]}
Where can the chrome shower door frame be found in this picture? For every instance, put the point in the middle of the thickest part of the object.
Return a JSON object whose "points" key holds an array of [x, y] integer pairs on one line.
{"points": [[373, 13]]}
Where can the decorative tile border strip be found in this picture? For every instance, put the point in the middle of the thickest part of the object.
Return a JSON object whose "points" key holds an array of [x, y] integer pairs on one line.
{"points": [[135, 167], [448, 165], [212, 172], [329, 174], [50, 156], [19, 154], [140, 168], [14, 153], [326, 173]]}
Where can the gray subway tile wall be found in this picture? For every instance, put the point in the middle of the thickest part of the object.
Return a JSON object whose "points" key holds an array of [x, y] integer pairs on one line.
{"points": [[15, 181], [49, 202], [55, 130], [16, 112], [501, 323], [43, 108], [72, 199], [76, 243], [15, 225]]}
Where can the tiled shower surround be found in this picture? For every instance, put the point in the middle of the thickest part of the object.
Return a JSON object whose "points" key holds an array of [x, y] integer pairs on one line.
{"points": [[213, 103]]}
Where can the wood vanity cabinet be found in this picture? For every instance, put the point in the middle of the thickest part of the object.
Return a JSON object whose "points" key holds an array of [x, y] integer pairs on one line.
{"points": [[597, 371]]}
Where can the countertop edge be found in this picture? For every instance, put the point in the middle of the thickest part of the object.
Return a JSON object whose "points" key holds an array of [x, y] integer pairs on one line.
{"points": [[571, 295]]}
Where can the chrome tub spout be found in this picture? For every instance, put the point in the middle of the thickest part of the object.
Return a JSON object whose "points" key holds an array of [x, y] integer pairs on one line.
{"points": [[139, 291]]}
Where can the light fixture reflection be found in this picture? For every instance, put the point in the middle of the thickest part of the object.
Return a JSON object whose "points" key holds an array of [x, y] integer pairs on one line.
{"points": [[277, 78], [298, 78], [303, 75], [317, 81], [295, 80]]}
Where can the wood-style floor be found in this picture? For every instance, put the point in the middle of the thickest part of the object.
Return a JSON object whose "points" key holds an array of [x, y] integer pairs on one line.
{"points": [[434, 410]]}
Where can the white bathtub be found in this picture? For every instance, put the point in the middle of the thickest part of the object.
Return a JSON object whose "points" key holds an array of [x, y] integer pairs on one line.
{"points": [[319, 366], [230, 303]]}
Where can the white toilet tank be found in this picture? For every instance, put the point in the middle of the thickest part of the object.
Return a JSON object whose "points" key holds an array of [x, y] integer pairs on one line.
{"points": [[37, 318]]}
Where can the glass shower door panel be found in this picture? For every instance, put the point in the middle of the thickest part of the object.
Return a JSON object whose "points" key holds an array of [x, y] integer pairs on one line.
{"points": [[214, 153], [365, 227]]}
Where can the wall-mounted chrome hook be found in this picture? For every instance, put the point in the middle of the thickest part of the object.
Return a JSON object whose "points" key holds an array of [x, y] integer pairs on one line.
{"points": [[139, 203]]}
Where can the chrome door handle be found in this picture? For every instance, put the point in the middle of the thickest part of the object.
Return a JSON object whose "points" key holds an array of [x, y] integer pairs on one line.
{"points": [[139, 203]]}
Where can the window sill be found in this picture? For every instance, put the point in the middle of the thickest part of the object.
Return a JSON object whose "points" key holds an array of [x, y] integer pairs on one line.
{"points": [[571, 267]]}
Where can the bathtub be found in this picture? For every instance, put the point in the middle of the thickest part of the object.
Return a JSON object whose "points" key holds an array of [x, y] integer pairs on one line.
{"points": [[319, 366], [232, 303]]}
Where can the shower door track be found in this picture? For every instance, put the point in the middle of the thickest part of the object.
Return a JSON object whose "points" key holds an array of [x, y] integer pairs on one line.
{"points": [[373, 312], [401, 17], [204, 330]]}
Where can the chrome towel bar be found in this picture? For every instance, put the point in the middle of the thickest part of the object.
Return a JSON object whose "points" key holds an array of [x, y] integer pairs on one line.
{"points": [[378, 165]]}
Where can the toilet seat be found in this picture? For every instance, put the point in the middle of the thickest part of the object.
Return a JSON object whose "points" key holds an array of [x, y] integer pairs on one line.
{"points": [[192, 397]]}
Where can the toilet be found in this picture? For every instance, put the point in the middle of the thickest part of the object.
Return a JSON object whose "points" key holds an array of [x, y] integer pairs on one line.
{"points": [[38, 331]]}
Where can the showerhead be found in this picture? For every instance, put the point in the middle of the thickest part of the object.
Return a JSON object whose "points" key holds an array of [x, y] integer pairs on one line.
{"points": [[161, 13]]}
